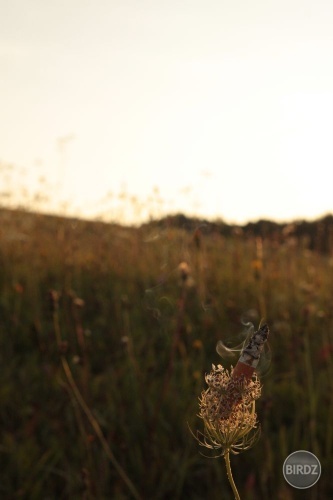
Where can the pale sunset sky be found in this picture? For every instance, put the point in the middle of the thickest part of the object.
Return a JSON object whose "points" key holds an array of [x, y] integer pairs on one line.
{"points": [[221, 109]]}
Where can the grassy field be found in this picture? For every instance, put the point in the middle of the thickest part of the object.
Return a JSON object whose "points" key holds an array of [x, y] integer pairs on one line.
{"points": [[105, 340]]}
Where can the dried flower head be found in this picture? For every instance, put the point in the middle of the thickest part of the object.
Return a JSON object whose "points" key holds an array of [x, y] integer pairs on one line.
{"points": [[227, 408], [186, 279]]}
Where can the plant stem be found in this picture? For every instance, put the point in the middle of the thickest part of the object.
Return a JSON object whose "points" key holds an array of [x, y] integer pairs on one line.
{"points": [[86, 410], [229, 473]]}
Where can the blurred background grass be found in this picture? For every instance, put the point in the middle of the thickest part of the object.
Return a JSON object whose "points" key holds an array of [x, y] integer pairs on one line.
{"points": [[138, 332]]}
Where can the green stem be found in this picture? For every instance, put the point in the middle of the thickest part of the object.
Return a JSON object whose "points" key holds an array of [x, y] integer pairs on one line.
{"points": [[229, 473]]}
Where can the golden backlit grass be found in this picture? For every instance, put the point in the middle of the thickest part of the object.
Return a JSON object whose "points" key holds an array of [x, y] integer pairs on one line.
{"points": [[138, 338]]}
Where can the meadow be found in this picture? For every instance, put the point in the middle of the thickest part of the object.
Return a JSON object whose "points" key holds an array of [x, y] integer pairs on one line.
{"points": [[106, 334]]}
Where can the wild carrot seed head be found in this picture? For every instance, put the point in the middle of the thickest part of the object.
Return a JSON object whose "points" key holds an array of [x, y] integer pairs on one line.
{"points": [[227, 408]]}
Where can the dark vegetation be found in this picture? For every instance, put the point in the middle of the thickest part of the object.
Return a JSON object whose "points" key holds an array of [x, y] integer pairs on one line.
{"points": [[102, 331], [316, 235]]}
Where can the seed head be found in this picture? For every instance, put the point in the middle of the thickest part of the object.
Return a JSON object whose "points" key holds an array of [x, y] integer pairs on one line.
{"points": [[184, 271], [227, 408]]}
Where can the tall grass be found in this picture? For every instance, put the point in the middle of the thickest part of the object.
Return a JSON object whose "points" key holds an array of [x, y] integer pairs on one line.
{"points": [[137, 338]]}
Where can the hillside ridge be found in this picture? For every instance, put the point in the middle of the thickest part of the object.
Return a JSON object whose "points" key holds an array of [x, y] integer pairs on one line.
{"points": [[316, 234]]}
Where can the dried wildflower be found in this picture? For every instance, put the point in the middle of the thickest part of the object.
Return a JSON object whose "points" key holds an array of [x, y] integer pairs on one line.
{"points": [[227, 406], [184, 271], [78, 302], [185, 275], [228, 410]]}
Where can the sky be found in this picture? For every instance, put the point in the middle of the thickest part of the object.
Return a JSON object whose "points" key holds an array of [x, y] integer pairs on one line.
{"points": [[215, 108]]}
